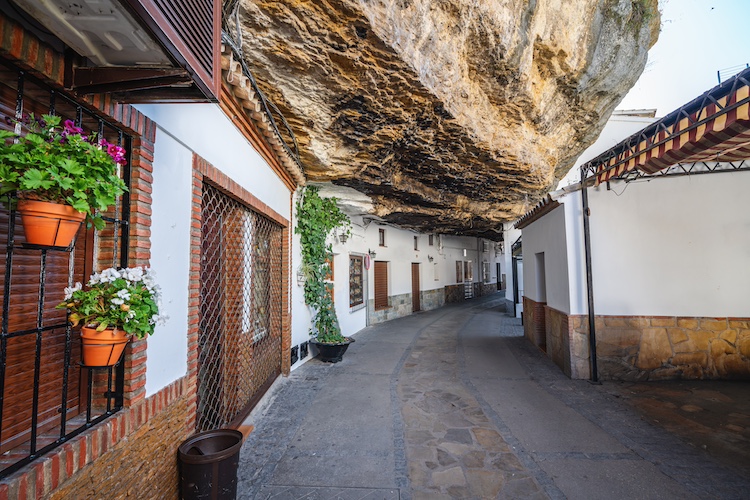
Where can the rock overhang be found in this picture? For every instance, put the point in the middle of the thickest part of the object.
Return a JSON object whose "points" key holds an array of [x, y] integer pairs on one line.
{"points": [[452, 117]]}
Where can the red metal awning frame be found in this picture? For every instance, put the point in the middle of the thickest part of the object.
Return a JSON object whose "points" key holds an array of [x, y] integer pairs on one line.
{"points": [[713, 127]]}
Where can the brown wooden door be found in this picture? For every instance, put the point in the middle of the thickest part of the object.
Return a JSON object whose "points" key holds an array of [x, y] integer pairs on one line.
{"points": [[415, 304], [381, 285]]}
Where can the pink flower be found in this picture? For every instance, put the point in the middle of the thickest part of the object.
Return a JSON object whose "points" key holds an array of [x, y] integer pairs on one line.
{"points": [[117, 153]]}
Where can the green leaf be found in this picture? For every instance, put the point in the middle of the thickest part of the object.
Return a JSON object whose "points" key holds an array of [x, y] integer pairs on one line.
{"points": [[36, 179]]}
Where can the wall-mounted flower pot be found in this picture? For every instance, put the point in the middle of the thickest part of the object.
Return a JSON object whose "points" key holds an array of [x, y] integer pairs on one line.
{"points": [[102, 348], [49, 224]]}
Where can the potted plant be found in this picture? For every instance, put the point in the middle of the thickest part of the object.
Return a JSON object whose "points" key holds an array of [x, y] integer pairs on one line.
{"points": [[115, 306], [56, 176], [316, 218]]}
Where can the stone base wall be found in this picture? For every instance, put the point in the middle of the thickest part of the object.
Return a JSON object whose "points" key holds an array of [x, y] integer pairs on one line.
{"points": [[482, 289], [669, 347], [637, 348], [432, 299], [454, 293], [399, 306]]}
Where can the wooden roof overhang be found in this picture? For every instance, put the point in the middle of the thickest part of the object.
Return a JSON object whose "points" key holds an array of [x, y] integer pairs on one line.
{"points": [[713, 127]]}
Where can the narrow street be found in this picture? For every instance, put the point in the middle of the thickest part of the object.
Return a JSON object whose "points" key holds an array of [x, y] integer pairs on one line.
{"points": [[455, 403]]}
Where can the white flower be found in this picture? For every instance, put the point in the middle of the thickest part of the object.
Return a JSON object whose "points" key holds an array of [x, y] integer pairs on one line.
{"points": [[116, 301], [109, 275], [70, 290], [123, 294]]}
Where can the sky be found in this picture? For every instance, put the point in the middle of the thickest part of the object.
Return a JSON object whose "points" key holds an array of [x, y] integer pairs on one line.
{"points": [[697, 39]]}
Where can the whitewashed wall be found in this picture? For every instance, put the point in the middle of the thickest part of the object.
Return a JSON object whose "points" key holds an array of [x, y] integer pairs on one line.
{"points": [[400, 254], [673, 246], [511, 235], [548, 236], [205, 130]]}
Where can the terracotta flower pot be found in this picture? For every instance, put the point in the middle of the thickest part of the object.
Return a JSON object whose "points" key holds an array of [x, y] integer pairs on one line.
{"points": [[102, 348], [49, 224]]}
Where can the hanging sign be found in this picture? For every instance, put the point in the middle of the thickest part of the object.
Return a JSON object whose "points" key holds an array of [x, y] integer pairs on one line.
{"points": [[367, 262]]}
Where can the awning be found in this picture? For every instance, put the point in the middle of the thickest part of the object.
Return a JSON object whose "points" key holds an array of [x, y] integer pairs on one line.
{"points": [[714, 127]]}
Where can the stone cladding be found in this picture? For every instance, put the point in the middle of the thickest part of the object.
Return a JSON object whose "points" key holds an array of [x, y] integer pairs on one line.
{"points": [[646, 347]]}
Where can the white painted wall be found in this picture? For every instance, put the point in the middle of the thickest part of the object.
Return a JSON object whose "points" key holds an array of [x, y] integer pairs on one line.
{"points": [[400, 254], [185, 129], [511, 235], [673, 246], [205, 129], [170, 259], [547, 235]]}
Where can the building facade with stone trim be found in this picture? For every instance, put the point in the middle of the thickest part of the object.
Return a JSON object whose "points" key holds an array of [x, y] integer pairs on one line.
{"points": [[669, 284], [414, 264]]}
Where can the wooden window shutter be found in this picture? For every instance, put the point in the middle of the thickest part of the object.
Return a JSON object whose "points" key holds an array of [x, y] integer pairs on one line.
{"points": [[381, 285], [191, 32]]}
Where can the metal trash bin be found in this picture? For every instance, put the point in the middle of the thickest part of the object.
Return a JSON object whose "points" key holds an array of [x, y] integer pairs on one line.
{"points": [[208, 465]]}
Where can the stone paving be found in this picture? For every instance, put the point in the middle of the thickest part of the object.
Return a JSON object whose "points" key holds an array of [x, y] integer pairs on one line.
{"points": [[455, 403]]}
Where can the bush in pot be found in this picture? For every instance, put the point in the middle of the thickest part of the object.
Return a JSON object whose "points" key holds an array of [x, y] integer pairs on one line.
{"points": [[316, 218], [55, 164], [115, 306]]}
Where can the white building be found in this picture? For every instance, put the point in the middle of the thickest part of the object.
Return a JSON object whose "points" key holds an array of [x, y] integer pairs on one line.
{"points": [[670, 284]]}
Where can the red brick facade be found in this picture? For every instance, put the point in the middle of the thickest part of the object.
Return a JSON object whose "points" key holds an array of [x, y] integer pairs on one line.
{"points": [[133, 453]]}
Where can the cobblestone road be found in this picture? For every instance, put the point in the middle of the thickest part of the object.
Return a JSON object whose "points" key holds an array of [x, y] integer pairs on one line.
{"points": [[455, 403]]}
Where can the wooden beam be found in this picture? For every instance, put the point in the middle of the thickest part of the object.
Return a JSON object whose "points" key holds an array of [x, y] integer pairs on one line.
{"points": [[119, 79]]}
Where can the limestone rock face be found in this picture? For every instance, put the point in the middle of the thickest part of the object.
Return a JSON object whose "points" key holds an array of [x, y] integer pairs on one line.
{"points": [[453, 116]]}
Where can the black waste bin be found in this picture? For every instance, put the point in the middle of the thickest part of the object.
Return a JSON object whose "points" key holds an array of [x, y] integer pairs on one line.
{"points": [[208, 465]]}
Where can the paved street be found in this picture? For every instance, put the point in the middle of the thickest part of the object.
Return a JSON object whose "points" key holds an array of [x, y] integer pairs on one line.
{"points": [[455, 403]]}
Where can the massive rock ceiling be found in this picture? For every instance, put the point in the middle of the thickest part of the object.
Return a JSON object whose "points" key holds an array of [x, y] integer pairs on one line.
{"points": [[453, 116]]}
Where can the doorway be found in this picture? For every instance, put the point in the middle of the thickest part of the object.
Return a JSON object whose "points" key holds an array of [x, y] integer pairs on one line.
{"points": [[415, 303]]}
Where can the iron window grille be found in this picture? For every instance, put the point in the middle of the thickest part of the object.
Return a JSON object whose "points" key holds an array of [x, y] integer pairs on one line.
{"points": [[239, 343], [356, 281], [46, 396]]}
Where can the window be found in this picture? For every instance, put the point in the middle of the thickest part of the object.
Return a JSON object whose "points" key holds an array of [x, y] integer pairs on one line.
{"points": [[381, 237], [436, 271], [356, 281], [416, 243], [464, 271], [468, 271], [329, 279], [430, 240], [485, 272], [48, 395]]}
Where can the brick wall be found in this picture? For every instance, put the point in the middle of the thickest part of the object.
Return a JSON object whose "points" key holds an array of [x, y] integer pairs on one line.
{"points": [[133, 453], [534, 323]]}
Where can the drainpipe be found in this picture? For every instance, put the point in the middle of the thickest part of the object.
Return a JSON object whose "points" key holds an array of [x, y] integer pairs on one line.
{"points": [[589, 277]]}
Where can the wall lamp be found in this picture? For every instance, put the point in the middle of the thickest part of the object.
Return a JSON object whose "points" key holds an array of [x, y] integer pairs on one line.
{"points": [[371, 253], [430, 258], [343, 237]]}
